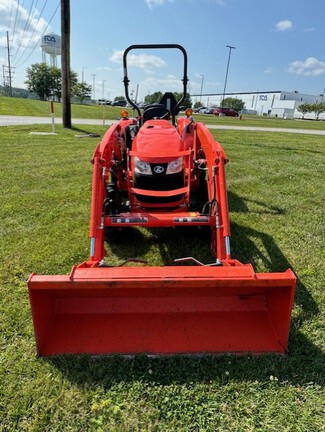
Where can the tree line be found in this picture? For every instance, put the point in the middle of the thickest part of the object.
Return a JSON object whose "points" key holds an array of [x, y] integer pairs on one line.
{"points": [[316, 108]]}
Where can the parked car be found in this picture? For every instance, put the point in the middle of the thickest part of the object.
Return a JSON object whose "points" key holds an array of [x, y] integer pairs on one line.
{"points": [[104, 102], [198, 110], [205, 110], [225, 112], [121, 103], [208, 111]]}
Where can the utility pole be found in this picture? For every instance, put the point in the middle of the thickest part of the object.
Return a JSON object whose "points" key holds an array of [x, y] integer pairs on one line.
{"points": [[224, 89], [9, 66], [136, 94], [103, 89], [202, 79], [94, 83], [65, 63]]}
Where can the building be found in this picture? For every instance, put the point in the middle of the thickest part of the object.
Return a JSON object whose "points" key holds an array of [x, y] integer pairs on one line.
{"points": [[273, 103]]}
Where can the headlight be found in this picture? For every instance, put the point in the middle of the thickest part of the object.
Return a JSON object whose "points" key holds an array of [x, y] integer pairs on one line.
{"points": [[175, 166], [142, 167]]}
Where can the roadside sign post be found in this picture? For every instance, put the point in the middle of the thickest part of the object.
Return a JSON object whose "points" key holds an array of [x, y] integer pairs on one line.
{"points": [[52, 115]]}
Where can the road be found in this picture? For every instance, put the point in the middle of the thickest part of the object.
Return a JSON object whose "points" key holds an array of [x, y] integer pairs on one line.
{"points": [[20, 120], [25, 120]]}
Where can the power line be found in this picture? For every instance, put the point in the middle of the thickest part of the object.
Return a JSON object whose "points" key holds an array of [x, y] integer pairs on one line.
{"points": [[21, 8], [11, 10], [32, 35], [33, 49], [15, 22], [28, 21], [9, 66]]}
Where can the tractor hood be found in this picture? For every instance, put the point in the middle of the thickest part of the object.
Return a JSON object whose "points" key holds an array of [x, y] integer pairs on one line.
{"points": [[157, 137]]}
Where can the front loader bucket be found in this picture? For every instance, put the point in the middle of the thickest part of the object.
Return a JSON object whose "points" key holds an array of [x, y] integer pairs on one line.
{"points": [[162, 310]]}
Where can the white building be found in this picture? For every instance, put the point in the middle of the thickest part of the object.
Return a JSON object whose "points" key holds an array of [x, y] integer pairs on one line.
{"points": [[274, 103]]}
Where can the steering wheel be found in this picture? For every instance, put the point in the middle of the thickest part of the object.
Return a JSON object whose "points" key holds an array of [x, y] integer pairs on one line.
{"points": [[158, 111]]}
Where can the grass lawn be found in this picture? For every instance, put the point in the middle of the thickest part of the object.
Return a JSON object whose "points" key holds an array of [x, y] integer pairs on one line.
{"points": [[276, 200], [30, 107]]}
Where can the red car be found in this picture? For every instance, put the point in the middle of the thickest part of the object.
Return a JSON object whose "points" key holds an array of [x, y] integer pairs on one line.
{"points": [[225, 112]]}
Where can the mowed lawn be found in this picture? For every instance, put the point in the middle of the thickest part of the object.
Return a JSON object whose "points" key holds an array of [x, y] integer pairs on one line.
{"points": [[30, 107], [276, 200]]}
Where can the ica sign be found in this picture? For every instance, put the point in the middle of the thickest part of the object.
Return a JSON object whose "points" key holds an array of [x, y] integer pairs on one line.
{"points": [[49, 39]]}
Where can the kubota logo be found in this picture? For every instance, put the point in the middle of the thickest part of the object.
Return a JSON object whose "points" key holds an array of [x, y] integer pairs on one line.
{"points": [[158, 169]]}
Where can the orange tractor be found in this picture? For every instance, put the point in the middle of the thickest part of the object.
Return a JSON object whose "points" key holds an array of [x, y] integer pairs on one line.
{"points": [[160, 170]]}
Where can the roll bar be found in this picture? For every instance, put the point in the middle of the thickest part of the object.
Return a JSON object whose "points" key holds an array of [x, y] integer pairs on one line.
{"points": [[154, 46]]}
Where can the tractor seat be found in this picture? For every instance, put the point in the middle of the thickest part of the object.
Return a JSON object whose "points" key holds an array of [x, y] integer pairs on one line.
{"points": [[156, 111]]}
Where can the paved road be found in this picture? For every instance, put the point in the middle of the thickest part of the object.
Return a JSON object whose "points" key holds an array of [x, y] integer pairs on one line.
{"points": [[25, 120], [15, 120], [267, 129]]}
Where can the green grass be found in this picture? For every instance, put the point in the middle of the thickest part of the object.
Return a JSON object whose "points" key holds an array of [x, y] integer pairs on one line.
{"points": [[37, 108], [276, 202], [29, 107], [262, 121]]}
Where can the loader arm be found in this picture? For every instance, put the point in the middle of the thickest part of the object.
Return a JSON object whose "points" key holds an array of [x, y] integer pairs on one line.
{"points": [[217, 190]]}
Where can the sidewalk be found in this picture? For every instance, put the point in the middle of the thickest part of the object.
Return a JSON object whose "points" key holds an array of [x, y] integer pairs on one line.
{"points": [[25, 120]]}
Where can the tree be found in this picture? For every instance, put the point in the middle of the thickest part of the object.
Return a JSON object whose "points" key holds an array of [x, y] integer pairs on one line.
{"points": [[157, 96], [46, 80], [40, 80], [56, 72], [198, 104], [153, 98], [234, 103], [304, 108], [81, 91], [318, 108], [187, 102]]}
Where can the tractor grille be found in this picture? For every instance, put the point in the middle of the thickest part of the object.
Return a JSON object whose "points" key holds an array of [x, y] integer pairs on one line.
{"points": [[159, 181]]}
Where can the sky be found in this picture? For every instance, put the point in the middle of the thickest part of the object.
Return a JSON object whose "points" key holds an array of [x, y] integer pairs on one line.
{"points": [[278, 44]]}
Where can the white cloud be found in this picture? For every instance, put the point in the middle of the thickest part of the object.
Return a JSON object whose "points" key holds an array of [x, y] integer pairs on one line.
{"points": [[103, 68], [154, 3], [195, 85], [269, 70], [117, 56], [283, 25], [3, 41], [170, 83], [309, 67], [143, 61], [309, 29], [28, 28], [220, 2]]}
